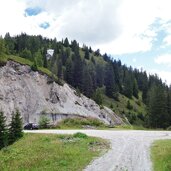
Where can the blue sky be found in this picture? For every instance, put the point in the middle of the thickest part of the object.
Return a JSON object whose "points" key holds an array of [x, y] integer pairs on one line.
{"points": [[136, 31]]}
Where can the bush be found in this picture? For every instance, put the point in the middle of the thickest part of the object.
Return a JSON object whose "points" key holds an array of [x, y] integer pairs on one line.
{"points": [[129, 106], [80, 135], [44, 122]]}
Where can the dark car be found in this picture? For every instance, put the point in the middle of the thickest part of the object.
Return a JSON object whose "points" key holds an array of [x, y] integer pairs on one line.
{"points": [[31, 126]]}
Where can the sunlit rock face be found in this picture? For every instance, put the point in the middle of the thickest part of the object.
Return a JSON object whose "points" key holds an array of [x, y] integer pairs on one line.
{"points": [[29, 91]]}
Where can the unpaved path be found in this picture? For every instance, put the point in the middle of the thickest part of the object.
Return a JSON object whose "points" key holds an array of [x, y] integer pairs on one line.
{"points": [[129, 149]]}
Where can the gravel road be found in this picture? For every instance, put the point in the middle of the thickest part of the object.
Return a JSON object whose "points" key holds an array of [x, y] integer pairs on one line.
{"points": [[129, 149]]}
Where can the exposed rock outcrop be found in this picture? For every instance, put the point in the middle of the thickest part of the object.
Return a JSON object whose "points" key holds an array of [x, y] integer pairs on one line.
{"points": [[28, 91]]}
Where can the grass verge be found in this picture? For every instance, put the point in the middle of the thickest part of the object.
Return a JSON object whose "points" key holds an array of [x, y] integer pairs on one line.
{"points": [[81, 123], [51, 152], [161, 155]]}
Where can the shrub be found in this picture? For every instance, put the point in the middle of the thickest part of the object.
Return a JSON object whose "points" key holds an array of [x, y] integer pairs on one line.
{"points": [[129, 106], [80, 135], [44, 122]]}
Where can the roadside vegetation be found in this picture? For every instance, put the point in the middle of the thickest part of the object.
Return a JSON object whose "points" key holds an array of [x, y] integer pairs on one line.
{"points": [[161, 155], [12, 132], [79, 123], [51, 152]]}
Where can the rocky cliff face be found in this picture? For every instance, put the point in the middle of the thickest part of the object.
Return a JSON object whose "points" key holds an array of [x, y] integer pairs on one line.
{"points": [[30, 92]]}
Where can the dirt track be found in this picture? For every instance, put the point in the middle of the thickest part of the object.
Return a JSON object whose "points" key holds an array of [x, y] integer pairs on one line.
{"points": [[129, 149]]}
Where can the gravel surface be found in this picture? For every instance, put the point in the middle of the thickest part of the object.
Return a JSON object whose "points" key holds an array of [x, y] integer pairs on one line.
{"points": [[129, 149]]}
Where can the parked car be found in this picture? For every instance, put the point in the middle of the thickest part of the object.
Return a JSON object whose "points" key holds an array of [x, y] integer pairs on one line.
{"points": [[31, 126]]}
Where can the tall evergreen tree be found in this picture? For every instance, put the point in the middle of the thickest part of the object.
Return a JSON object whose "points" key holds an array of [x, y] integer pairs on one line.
{"points": [[128, 84], [98, 96], [157, 107], [87, 55], [87, 85], [66, 42], [110, 81], [2, 46], [135, 88], [45, 63], [69, 71], [3, 130], [78, 71], [15, 129]]}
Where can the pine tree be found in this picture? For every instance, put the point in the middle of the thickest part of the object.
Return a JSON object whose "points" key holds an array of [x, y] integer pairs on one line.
{"points": [[110, 81], [2, 46], [69, 71], [87, 55], [78, 71], [135, 89], [15, 129], [3, 130], [87, 85], [66, 42], [45, 63], [98, 97], [128, 84], [157, 108]]}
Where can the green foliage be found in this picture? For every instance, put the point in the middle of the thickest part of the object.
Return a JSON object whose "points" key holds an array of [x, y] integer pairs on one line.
{"points": [[80, 123], [2, 47], [80, 135], [44, 122], [110, 81], [15, 127], [66, 42], [3, 130], [135, 89], [98, 96], [34, 67], [129, 106], [26, 54], [157, 108]]}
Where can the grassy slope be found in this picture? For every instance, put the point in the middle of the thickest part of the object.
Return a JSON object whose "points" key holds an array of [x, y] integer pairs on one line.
{"points": [[50, 152], [120, 106], [161, 155]]}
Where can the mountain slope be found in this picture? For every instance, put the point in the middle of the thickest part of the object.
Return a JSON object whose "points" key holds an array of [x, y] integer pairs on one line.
{"points": [[34, 96]]}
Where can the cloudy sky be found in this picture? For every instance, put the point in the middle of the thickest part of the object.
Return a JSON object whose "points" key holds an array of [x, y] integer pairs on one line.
{"points": [[136, 31]]}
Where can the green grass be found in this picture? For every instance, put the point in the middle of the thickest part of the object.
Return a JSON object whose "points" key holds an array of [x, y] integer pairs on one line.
{"points": [[79, 123], [37, 152], [20, 60], [161, 155], [120, 106]]}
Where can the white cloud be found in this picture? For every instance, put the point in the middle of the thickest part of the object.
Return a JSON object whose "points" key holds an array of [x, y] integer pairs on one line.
{"points": [[164, 75], [114, 26], [163, 59], [167, 40]]}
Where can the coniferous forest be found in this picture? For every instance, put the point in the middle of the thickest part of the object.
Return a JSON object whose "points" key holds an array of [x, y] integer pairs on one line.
{"points": [[95, 75]]}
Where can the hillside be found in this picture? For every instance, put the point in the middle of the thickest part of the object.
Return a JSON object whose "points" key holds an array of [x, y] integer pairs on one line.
{"points": [[35, 95], [144, 99]]}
